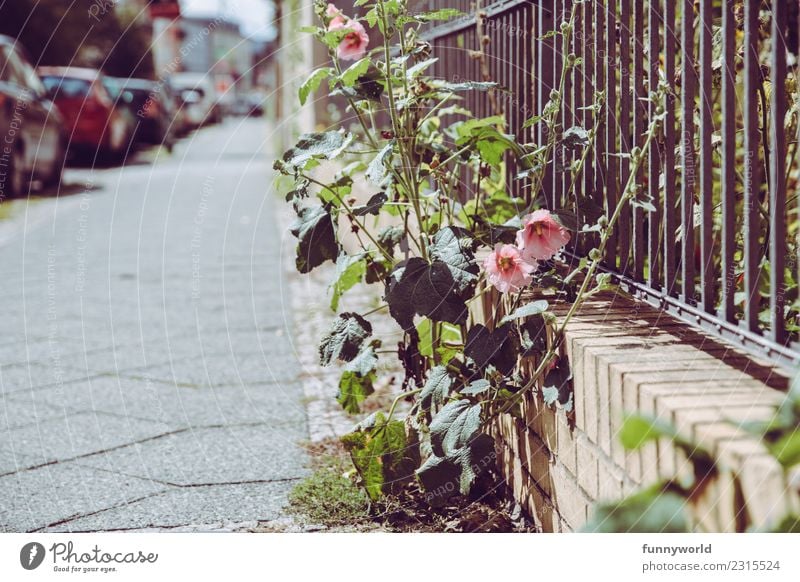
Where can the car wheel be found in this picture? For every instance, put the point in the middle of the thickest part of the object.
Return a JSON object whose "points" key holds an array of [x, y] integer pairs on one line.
{"points": [[15, 180], [53, 178]]}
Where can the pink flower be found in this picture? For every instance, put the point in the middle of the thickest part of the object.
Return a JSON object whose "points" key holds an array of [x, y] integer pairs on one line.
{"points": [[354, 45], [336, 16], [506, 269], [541, 236]]}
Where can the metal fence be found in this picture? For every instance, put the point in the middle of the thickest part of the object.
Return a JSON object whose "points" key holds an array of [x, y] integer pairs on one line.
{"points": [[719, 249]]}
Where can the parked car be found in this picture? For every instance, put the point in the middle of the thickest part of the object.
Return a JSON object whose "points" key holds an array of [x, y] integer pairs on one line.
{"points": [[199, 98], [149, 108], [33, 145], [94, 122]]}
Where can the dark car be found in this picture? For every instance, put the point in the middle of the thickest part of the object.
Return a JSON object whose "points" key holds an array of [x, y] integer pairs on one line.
{"points": [[151, 108], [32, 143], [95, 123]]}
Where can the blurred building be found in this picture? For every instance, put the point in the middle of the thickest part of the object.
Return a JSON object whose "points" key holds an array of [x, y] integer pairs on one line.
{"points": [[216, 46]]}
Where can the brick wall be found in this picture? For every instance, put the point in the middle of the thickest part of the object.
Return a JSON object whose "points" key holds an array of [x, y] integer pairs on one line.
{"points": [[627, 357]]}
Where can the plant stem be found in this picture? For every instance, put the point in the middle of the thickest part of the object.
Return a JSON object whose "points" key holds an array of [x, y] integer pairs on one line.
{"points": [[627, 195], [400, 397], [352, 216]]}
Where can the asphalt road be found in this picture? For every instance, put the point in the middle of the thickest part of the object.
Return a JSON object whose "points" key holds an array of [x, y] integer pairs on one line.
{"points": [[147, 377]]}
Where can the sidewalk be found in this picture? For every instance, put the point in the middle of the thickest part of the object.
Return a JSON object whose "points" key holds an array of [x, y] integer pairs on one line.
{"points": [[147, 373]]}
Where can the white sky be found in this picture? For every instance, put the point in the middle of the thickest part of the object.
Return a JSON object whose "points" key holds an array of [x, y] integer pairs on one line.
{"points": [[253, 15]]}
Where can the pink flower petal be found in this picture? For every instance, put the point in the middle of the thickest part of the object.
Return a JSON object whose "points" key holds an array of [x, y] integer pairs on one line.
{"points": [[541, 236], [506, 270]]}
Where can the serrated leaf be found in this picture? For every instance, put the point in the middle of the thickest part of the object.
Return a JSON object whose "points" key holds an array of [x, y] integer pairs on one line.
{"points": [[316, 238], [390, 237], [420, 67], [460, 452], [476, 388], [575, 137], [454, 427], [466, 86], [557, 386], [373, 205], [327, 145], [365, 362], [527, 310], [452, 247], [343, 341], [437, 387], [415, 287], [378, 170], [350, 270], [354, 72], [496, 348], [380, 454], [353, 390], [312, 83]]}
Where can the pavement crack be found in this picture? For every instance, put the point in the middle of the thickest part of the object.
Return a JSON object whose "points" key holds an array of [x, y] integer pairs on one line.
{"points": [[91, 513]]}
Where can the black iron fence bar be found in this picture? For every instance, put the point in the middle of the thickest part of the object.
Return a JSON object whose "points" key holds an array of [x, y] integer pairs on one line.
{"points": [[752, 203], [688, 162], [719, 200], [656, 150], [777, 182], [670, 182], [729, 165], [708, 274]]}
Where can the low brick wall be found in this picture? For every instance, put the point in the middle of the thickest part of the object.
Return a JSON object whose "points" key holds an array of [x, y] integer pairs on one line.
{"points": [[627, 357]]}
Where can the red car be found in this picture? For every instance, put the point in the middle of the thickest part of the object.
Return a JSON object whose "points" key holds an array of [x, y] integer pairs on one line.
{"points": [[93, 121]]}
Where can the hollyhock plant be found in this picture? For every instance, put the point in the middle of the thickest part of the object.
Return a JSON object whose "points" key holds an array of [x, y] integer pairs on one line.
{"points": [[541, 236], [506, 269]]}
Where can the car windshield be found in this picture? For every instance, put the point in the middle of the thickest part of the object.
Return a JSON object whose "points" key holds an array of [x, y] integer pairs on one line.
{"points": [[66, 87]]}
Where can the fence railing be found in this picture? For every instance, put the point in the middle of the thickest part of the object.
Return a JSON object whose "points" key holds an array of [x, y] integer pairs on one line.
{"points": [[718, 248]]}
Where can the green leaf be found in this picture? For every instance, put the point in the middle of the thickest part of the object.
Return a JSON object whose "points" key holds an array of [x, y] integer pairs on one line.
{"points": [[312, 83], [390, 237], [648, 511], [353, 390], [527, 310], [380, 454], [477, 388], [316, 238], [419, 68], [787, 449], [343, 341], [789, 524], [465, 86], [496, 348], [350, 270], [447, 333], [442, 14], [454, 427], [312, 146], [557, 386], [460, 452], [575, 137], [453, 247], [366, 361], [416, 287], [377, 170], [637, 430], [437, 388], [354, 72], [373, 205]]}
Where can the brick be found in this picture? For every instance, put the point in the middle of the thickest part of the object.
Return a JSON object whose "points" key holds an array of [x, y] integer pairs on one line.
{"points": [[565, 443], [609, 480], [540, 509], [567, 496], [587, 466], [536, 460]]}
